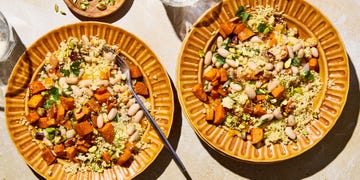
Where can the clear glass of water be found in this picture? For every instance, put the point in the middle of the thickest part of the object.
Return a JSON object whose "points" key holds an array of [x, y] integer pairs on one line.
{"points": [[7, 45]]}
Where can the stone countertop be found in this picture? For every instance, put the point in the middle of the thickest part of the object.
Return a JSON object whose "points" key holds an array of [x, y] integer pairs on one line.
{"points": [[337, 156]]}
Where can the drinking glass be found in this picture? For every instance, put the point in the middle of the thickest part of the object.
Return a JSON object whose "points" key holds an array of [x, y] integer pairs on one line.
{"points": [[7, 45]]}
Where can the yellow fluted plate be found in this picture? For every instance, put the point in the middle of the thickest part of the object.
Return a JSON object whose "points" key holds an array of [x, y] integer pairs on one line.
{"points": [[333, 63], [136, 51]]}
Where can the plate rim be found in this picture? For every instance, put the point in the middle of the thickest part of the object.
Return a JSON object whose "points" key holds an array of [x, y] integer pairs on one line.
{"points": [[82, 13]]}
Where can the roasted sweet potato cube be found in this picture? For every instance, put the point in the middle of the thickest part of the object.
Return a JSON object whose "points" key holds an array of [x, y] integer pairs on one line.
{"points": [[102, 97], [94, 120], [36, 101], [101, 90], [51, 113], [59, 150], [209, 114], [68, 103], [68, 124], [141, 89], [238, 28], [199, 92], [83, 113], [226, 29], [60, 113], [82, 149], [135, 72], [126, 155], [106, 157], [45, 122], [212, 74], [245, 34], [223, 75], [84, 128], [220, 114], [278, 91], [32, 117], [36, 87], [257, 134], [71, 152], [107, 132], [48, 156], [93, 105], [259, 111]]}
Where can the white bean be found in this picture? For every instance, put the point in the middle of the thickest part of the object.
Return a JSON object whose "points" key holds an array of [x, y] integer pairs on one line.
{"points": [[223, 52], [123, 88], [112, 114], [250, 92], [100, 121], [226, 66], [219, 41], [297, 46], [314, 52], [213, 60], [207, 59], [291, 120], [72, 80], [207, 69], [218, 64], [111, 91], [76, 90], [277, 113], [70, 133], [85, 83], [252, 65], [255, 39], [116, 88], [102, 83], [279, 66], [47, 142], [269, 66], [258, 84], [138, 116], [130, 102], [235, 87], [294, 69], [267, 117], [133, 109], [62, 83], [272, 84], [290, 133], [130, 129], [301, 53], [134, 136], [87, 92], [113, 80], [231, 63], [290, 52]]}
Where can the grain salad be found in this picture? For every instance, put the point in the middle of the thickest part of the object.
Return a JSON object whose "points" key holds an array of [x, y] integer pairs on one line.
{"points": [[260, 78], [82, 110]]}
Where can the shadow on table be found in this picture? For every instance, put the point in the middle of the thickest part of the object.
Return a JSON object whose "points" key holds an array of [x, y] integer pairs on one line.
{"points": [[164, 158], [112, 17], [313, 160]]}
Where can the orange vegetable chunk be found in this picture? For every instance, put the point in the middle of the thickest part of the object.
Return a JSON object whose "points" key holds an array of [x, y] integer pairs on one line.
{"points": [[199, 92], [84, 128]]}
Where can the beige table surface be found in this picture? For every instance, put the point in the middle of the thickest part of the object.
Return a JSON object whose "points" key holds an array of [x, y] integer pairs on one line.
{"points": [[336, 157]]}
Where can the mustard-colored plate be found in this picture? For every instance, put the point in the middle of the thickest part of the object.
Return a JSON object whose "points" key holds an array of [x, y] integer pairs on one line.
{"points": [[161, 98], [92, 11], [334, 68]]}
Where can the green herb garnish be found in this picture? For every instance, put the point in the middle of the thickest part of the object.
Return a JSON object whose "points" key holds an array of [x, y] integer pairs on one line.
{"points": [[220, 59], [241, 13], [201, 53], [75, 68], [65, 72]]}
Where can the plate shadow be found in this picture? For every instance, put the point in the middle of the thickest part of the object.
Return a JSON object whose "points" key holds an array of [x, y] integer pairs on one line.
{"points": [[311, 161]]}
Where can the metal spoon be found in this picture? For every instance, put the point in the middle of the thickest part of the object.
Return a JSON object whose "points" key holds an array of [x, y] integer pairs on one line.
{"points": [[120, 61]]}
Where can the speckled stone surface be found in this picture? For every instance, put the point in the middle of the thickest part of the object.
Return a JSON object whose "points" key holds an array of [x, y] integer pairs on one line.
{"points": [[337, 156]]}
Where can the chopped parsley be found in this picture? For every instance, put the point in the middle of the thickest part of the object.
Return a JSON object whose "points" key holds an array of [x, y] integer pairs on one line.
{"points": [[220, 59], [241, 13], [75, 68]]}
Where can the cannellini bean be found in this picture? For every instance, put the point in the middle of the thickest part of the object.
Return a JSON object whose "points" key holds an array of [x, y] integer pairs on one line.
{"points": [[250, 92], [130, 130], [279, 66], [269, 66], [113, 80], [297, 46], [291, 120], [226, 66], [290, 52], [290, 133], [134, 136], [219, 41], [294, 69], [138, 116], [231, 63], [111, 90], [223, 52], [112, 114], [301, 53], [267, 117], [239, 70], [213, 59], [207, 69], [314, 52], [47, 142], [62, 83], [70, 133], [100, 121], [72, 80], [207, 59], [109, 56], [255, 39], [272, 84], [87, 92], [85, 83], [116, 88], [123, 88], [306, 67], [142, 98], [76, 90], [235, 87], [277, 113], [130, 102], [258, 84], [133, 109], [102, 83], [252, 65], [62, 131]]}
